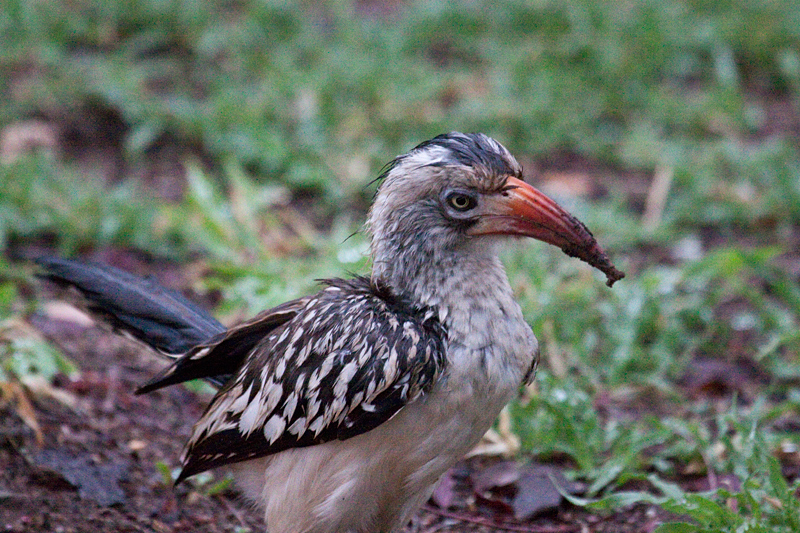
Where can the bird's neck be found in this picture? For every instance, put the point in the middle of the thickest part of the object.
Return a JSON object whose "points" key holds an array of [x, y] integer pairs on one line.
{"points": [[490, 347], [456, 282]]}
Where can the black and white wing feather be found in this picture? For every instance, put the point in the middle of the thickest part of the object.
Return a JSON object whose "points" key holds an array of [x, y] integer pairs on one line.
{"points": [[223, 355], [344, 363]]}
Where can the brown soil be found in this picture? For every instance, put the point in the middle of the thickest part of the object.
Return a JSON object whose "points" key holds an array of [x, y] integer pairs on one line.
{"points": [[100, 465]]}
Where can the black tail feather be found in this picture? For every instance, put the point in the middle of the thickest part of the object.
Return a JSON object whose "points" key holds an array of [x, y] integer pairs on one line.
{"points": [[157, 316]]}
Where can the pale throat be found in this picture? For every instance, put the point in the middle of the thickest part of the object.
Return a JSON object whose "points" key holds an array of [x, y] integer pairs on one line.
{"points": [[457, 281]]}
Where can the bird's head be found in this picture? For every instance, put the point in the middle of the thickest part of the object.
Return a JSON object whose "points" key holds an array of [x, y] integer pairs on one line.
{"points": [[455, 194]]}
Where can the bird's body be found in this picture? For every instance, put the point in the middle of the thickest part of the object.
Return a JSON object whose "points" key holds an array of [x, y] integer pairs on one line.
{"points": [[375, 481], [340, 411]]}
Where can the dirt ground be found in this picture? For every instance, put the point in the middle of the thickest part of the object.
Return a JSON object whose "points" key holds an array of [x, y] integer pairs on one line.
{"points": [[101, 465]]}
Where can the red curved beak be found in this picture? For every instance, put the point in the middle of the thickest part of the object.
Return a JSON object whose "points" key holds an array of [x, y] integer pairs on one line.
{"points": [[520, 209]]}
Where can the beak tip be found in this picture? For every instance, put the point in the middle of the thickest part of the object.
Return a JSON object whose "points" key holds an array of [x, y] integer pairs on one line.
{"points": [[613, 275], [595, 256]]}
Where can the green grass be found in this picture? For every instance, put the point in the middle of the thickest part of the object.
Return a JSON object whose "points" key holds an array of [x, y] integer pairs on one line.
{"points": [[305, 96], [754, 495], [277, 100]]}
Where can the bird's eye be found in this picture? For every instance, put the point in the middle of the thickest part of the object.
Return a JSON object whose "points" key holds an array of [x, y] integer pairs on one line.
{"points": [[461, 202]]}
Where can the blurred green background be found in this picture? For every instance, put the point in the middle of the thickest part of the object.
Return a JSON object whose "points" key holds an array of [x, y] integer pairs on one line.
{"points": [[242, 136]]}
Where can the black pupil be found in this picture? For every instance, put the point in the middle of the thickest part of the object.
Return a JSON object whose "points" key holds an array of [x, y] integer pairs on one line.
{"points": [[460, 201]]}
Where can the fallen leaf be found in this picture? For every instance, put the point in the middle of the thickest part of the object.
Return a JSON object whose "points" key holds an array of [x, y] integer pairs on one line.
{"points": [[498, 475], [66, 312], [444, 494], [137, 445], [712, 377], [536, 492], [14, 392], [40, 387], [22, 137], [524, 490]]}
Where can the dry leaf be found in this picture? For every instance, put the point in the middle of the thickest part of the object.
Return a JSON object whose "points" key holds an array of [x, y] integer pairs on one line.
{"points": [[14, 392]]}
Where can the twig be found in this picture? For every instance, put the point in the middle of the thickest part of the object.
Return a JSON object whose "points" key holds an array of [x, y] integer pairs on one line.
{"points": [[657, 197]]}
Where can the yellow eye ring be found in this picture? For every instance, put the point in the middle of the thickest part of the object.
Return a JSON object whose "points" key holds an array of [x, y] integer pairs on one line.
{"points": [[461, 202]]}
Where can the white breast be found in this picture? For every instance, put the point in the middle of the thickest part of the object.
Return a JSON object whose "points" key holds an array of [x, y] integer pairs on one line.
{"points": [[377, 480]]}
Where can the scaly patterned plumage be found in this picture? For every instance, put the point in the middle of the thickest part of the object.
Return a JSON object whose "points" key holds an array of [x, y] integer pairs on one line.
{"points": [[339, 411], [349, 358]]}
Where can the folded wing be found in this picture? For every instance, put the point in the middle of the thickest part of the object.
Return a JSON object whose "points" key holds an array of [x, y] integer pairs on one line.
{"points": [[348, 359]]}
